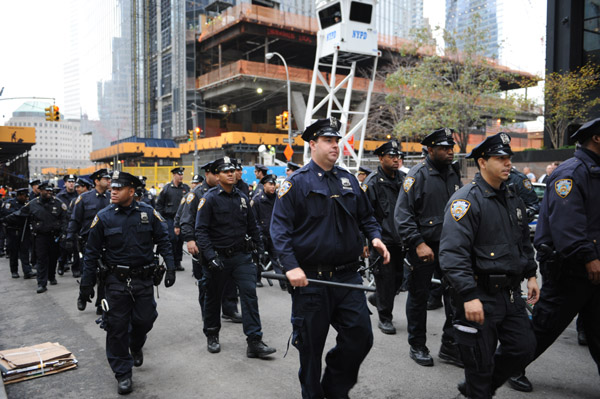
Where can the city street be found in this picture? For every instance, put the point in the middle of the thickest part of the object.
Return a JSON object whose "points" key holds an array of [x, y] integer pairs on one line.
{"points": [[177, 364]]}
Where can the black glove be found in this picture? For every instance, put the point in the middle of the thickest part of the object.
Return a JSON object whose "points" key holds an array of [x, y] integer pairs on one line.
{"points": [[170, 278], [86, 293], [69, 245], [215, 264]]}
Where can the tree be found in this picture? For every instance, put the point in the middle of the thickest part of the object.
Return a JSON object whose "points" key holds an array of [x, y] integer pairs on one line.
{"points": [[455, 88], [566, 100]]}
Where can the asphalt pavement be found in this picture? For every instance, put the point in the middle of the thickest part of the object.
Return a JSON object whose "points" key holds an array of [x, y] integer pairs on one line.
{"points": [[177, 364]]}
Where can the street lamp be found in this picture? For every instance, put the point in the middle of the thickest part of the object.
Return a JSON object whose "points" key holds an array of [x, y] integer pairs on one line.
{"points": [[268, 56]]}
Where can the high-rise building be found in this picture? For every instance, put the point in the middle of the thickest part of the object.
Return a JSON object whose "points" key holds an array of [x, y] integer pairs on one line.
{"points": [[459, 16], [58, 144]]}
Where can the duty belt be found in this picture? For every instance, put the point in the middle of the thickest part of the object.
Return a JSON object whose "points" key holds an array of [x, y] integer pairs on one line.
{"points": [[232, 250], [123, 272], [494, 283], [330, 269]]}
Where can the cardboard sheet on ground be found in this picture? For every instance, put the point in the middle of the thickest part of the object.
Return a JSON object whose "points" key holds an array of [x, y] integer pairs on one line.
{"points": [[35, 361]]}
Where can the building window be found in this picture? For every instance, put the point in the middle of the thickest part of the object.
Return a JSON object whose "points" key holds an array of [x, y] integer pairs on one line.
{"points": [[591, 31]]}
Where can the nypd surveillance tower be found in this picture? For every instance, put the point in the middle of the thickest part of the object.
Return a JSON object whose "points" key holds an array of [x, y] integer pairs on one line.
{"points": [[346, 37]]}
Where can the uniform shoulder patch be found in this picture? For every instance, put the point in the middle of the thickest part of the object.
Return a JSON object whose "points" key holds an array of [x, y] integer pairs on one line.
{"points": [[94, 222], [364, 187], [285, 187], [527, 184], [201, 203], [63, 206], [459, 208], [158, 215], [408, 183], [7, 206], [182, 200], [189, 198], [563, 187], [77, 200]]}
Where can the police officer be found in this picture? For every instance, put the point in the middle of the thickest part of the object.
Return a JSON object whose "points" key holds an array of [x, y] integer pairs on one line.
{"points": [[223, 220], [362, 174], [195, 182], [66, 195], [86, 206], [521, 184], [167, 203], [315, 227], [291, 168], [262, 205], [35, 190], [567, 240], [382, 188], [485, 253], [260, 171], [18, 234], [239, 182], [142, 194], [82, 185], [48, 217], [419, 215], [123, 236], [188, 223]]}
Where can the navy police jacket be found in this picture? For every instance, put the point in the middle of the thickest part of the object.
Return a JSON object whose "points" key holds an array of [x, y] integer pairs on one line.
{"points": [[303, 226], [87, 205], [187, 221], [262, 205], [47, 216], [127, 235], [569, 219], [523, 187], [382, 191], [223, 220], [9, 207], [169, 199], [485, 232], [419, 211]]}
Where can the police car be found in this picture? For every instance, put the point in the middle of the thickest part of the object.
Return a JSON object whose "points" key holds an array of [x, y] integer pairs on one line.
{"points": [[539, 189]]}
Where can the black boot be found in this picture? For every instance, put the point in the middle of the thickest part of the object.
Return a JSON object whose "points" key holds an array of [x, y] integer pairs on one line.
{"points": [[520, 382], [138, 357], [450, 353], [213, 344], [125, 386], [257, 348], [61, 269], [420, 354]]}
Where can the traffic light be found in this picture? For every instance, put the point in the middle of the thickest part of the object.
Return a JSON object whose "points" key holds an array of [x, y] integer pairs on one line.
{"points": [[285, 120], [49, 112], [190, 135], [198, 132], [279, 121], [56, 114]]}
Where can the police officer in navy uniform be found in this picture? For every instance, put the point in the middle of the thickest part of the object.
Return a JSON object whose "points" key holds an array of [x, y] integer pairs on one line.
{"points": [[142, 194], [567, 240], [18, 234], [485, 253], [86, 206], [262, 205], [291, 168], [240, 183], [521, 184], [419, 215], [123, 236], [66, 195], [382, 188], [223, 220], [362, 174], [195, 182], [316, 229], [167, 203], [48, 217], [188, 223], [260, 171], [82, 185], [35, 190]]}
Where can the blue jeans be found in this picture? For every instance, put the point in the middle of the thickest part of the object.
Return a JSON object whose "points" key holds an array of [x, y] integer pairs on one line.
{"points": [[242, 271]]}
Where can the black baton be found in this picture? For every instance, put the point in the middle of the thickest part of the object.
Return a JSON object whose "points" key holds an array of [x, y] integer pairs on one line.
{"points": [[281, 277]]}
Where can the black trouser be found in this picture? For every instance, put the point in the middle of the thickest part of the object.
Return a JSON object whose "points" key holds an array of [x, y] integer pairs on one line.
{"points": [[63, 258], [560, 301], [176, 240], [419, 285], [33, 251], [18, 250], [47, 254], [314, 309], [230, 294], [131, 315], [487, 365], [2, 238], [388, 279]]}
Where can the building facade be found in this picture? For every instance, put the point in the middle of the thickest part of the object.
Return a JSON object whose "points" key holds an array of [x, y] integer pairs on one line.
{"points": [[58, 144]]}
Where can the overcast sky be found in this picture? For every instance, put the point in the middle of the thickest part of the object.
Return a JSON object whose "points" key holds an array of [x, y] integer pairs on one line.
{"points": [[34, 42]]}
